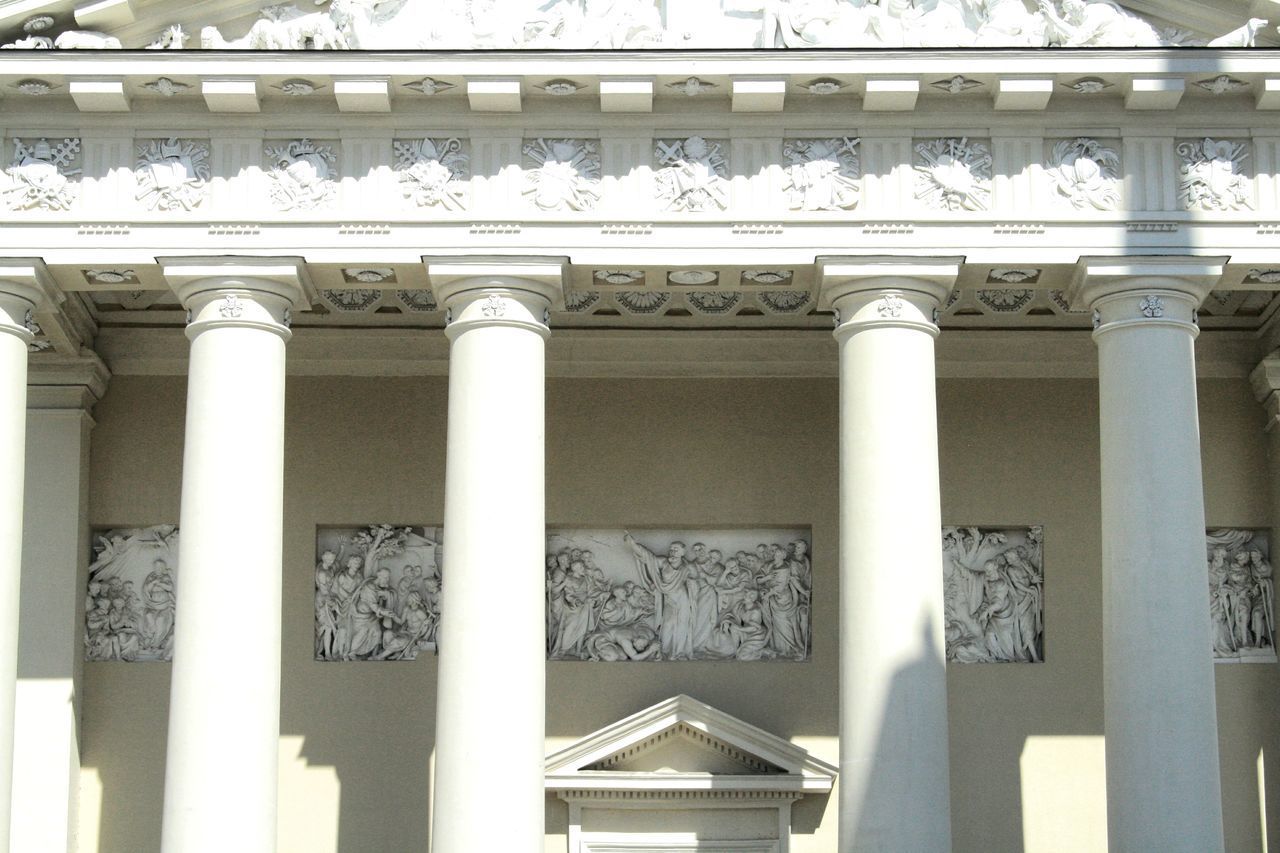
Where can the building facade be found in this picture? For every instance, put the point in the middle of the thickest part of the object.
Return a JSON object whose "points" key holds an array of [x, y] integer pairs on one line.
{"points": [[639, 426]]}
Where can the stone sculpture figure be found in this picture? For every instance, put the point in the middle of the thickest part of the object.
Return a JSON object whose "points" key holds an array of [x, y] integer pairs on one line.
{"points": [[1241, 595], [692, 174], [676, 601], [993, 585], [131, 595], [377, 593], [41, 174]]}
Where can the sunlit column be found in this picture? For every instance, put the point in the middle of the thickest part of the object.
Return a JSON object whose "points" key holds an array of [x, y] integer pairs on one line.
{"points": [[23, 288], [61, 391], [490, 718], [894, 779], [224, 704], [1163, 789]]}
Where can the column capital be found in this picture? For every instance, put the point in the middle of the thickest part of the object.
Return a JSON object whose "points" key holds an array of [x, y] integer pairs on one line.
{"points": [[885, 291], [497, 291], [231, 292], [25, 287], [1097, 277], [841, 275]]}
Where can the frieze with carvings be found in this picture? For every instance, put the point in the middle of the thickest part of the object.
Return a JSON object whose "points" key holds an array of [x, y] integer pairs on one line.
{"points": [[1241, 595], [130, 598], [953, 173], [40, 174], [639, 24], [821, 174], [692, 174], [562, 174], [1086, 173], [993, 583], [434, 173], [303, 174], [1213, 175], [377, 592], [172, 174], [670, 595]]}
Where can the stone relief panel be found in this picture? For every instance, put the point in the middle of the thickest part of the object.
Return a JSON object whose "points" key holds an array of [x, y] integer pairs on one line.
{"points": [[616, 595], [377, 592], [43, 174], [1214, 175], [1241, 595], [821, 174], [302, 174], [1085, 173], [434, 173], [692, 174], [172, 173], [562, 174], [130, 595], [993, 581], [953, 173]]}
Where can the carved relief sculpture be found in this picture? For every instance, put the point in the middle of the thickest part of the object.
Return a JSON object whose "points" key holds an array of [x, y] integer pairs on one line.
{"points": [[1241, 595], [1213, 175], [434, 172], [692, 174], [564, 174], [172, 174], [302, 174], [993, 581], [1086, 173], [671, 595], [821, 174], [377, 592], [129, 602], [953, 174], [40, 175]]}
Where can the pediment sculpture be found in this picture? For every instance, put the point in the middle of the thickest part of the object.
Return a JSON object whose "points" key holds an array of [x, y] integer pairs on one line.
{"points": [[638, 24]]}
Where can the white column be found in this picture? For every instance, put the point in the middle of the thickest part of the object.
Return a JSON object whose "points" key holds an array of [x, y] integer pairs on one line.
{"points": [[22, 290], [55, 557], [490, 728], [224, 703], [894, 778], [1160, 718]]}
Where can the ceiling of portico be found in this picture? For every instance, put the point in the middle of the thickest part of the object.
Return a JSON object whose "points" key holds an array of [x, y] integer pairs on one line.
{"points": [[578, 24]]}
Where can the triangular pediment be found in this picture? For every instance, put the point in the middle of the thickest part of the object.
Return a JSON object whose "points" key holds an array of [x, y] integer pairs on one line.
{"points": [[630, 24], [684, 743]]}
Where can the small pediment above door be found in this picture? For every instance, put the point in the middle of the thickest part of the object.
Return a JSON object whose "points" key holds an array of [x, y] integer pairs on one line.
{"points": [[684, 744]]}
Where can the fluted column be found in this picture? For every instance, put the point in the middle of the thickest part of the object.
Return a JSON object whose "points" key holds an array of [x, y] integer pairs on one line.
{"points": [[1160, 718], [23, 287], [224, 704], [894, 779], [490, 695]]}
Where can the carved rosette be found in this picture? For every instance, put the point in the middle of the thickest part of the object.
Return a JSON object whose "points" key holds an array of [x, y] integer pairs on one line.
{"points": [[953, 173], [1146, 306]]}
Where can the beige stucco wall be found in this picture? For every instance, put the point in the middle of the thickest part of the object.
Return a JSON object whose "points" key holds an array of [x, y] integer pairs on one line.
{"points": [[357, 738]]}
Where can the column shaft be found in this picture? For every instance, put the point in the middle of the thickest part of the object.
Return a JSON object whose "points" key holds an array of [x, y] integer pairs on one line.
{"points": [[224, 706], [491, 686], [894, 782], [16, 303], [1163, 788]]}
